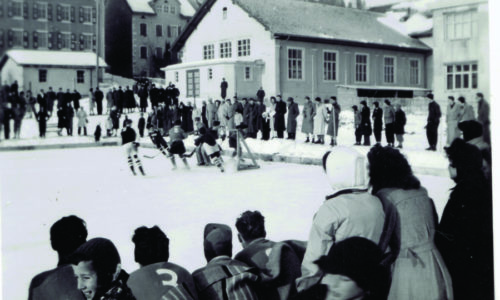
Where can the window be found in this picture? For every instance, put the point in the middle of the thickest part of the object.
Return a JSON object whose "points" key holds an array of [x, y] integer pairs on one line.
{"points": [[389, 63], [144, 52], [159, 52], [459, 25], [144, 29], [80, 76], [224, 13], [87, 14], [295, 64], [414, 71], [40, 10], [159, 31], [329, 66], [174, 30], [43, 39], [210, 74], [248, 73], [193, 83], [65, 13], [244, 47], [225, 49], [87, 41], [17, 37], [17, 9], [208, 51], [461, 76], [42, 75], [165, 8], [361, 67], [172, 9], [65, 40]]}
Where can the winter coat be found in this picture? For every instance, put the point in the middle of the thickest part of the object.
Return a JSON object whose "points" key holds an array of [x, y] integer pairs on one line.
{"points": [[483, 112], [119, 289], [366, 125], [149, 282], [225, 278], [279, 117], [293, 113], [346, 214], [453, 116], [229, 116], [434, 113], [399, 122], [247, 114], [223, 89], [279, 266], [377, 119], [320, 119], [308, 113], [467, 112], [418, 269], [61, 118], [465, 238], [59, 283], [261, 94], [129, 99], [109, 99], [211, 113], [333, 120], [143, 97], [252, 118], [82, 118], [388, 114]]}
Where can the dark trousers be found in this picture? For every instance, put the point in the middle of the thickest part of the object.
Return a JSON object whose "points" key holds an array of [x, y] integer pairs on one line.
{"points": [[69, 128], [141, 131], [366, 141], [99, 107], [6, 128], [432, 134], [378, 135], [42, 127], [389, 133], [280, 133], [84, 130], [291, 135], [358, 135]]}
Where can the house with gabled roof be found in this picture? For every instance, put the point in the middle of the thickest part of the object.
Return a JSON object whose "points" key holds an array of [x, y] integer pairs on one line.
{"points": [[139, 34], [296, 49]]}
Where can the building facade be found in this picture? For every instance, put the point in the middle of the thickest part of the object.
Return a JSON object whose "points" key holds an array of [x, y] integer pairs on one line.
{"points": [[255, 44], [139, 34], [65, 25], [461, 49]]}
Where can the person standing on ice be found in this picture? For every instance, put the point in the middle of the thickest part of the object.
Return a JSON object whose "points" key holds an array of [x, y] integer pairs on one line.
{"points": [[432, 123], [177, 135], [366, 125], [82, 121], [130, 146], [158, 278], [280, 110], [377, 122], [293, 113], [389, 122], [66, 235], [350, 211], [320, 120], [399, 125], [333, 122], [308, 113]]}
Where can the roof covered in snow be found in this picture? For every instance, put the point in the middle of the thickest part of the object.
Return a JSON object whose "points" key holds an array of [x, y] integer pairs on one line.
{"points": [[140, 6], [316, 21], [416, 23], [187, 8], [55, 58]]}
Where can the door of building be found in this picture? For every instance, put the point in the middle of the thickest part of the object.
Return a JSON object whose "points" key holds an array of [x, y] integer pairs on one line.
{"points": [[193, 83]]}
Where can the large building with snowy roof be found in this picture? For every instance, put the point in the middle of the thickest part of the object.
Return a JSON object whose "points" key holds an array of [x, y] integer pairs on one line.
{"points": [[38, 69], [139, 33], [296, 49]]}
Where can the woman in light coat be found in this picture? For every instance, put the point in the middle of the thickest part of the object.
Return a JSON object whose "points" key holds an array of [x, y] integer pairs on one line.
{"points": [[320, 121], [272, 113], [81, 115]]}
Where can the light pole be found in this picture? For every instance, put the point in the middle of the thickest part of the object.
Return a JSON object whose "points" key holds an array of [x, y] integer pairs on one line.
{"points": [[97, 41]]}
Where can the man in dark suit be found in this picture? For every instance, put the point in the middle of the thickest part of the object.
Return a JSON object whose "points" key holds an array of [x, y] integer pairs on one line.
{"points": [[433, 123]]}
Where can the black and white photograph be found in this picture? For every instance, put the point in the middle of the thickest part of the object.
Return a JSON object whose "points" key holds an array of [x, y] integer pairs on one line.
{"points": [[248, 149]]}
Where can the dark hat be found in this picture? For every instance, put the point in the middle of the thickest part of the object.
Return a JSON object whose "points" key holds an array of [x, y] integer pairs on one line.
{"points": [[375, 103], [471, 129], [177, 122], [128, 121], [355, 107], [202, 130], [333, 98], [216, 123], [466, 158], [430, 96], [357, 258], [363, 102], [386, 101], [317, 99], [217, 240]]}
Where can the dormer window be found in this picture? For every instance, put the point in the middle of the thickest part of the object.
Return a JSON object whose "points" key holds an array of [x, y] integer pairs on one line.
{"points": [[224, 13]]}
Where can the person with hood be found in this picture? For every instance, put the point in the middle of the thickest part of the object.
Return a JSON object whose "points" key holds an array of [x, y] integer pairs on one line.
{"points": [[377, 122], [223, 278], [293, 113], [418, 270], [278, 263], [350, 211], [352, 270], [366, 125], [97, 268], [157, 278], [81, 115], [66, 235], [399, 124], [308, 113], [320, 120], [333, 121], [452, 119], [465, 233]]}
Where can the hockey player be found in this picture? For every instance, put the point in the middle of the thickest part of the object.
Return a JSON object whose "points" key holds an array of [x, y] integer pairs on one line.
{"points": [[177, 135], [158, 140], [207, 141], [130, 146]]}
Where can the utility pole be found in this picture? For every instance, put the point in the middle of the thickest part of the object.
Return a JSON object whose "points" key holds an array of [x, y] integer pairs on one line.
{"points": [[97, 41]]}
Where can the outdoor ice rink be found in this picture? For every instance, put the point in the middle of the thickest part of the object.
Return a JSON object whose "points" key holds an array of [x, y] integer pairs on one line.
{"points": [[39, 187]]}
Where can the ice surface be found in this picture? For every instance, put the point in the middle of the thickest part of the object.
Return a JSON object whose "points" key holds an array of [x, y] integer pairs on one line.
{"points": [[39, 187]]}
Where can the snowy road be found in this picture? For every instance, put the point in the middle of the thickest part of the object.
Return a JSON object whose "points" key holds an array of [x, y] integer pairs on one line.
{"points": [[39, 187]]}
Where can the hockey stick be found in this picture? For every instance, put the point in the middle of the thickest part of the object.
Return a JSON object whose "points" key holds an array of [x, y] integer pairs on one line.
{"points": [[190, 154], [151, 156]]}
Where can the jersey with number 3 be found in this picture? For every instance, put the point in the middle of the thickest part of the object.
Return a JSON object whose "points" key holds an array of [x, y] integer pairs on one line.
{"points": [[164, 281]]}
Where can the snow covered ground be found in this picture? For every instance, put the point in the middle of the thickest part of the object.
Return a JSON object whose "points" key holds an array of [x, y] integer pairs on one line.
{"points": [[39, 187]]}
